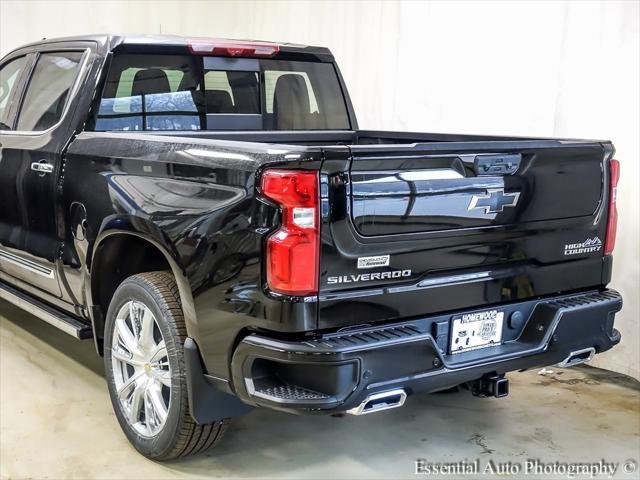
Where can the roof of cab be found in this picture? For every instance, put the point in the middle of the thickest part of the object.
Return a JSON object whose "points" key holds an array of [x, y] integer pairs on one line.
{"points": [[158, 43]]}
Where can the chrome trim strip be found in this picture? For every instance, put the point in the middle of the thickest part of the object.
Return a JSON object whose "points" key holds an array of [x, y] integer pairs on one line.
{"points": [[41, 313], [32, 290], [27, 264]]}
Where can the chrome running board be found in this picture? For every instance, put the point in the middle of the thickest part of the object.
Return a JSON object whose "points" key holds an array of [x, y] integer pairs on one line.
{"points": [[52, 316]]}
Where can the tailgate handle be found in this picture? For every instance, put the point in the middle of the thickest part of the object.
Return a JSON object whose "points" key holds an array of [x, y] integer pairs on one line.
{"points": [[501, 164]]}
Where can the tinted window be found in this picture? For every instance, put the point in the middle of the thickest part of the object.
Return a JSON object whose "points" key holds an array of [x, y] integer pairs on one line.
{"points": [[303, 96], [8, 82], [192, 92], [151, 92], [48, 90], [232, 92], [271, 79]]}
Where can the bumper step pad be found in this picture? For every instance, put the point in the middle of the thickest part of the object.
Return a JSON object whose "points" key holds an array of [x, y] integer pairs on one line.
{"points": [[288, 392]]}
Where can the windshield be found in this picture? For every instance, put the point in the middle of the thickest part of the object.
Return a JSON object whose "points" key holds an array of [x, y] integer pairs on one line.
{"points": [[189, 92]]}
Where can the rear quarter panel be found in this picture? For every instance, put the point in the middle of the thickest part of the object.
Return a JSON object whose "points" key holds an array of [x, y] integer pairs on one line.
{"points": [[196, 200]]}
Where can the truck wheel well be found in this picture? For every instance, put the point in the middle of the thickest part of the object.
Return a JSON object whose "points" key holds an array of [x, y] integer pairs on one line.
{"points": [[117, 258]]}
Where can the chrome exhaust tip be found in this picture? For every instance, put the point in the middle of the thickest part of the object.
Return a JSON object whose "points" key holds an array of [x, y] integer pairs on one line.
{"points": [[576, 358], [378, 402]]}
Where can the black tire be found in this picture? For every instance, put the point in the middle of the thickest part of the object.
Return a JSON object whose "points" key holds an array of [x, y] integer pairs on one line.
{"points": [[181, 435]]}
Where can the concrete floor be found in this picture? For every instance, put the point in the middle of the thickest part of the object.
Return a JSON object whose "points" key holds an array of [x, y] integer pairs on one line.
{"points": [[56, 422]]}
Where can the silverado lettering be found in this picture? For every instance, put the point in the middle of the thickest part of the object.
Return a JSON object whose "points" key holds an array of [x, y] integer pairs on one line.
{"points": [[366, 277]]}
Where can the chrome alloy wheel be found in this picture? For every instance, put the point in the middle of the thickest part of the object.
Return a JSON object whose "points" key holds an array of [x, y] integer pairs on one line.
{"points": [[141, 368]]}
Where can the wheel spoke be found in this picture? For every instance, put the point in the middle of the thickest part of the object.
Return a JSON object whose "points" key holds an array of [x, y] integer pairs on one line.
{"points": [[159, 409], [159, 352], [134, 317], [126, 336], [136, 404], [149, 415], [163, 376], [130, 394], [120, 354], [125, 391], [146, 329]]}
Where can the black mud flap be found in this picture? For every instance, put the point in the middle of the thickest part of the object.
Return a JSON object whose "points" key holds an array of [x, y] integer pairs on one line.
{"points": [[207, 404]]}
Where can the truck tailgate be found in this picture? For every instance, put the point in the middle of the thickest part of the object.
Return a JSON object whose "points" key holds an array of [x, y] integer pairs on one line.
{"points": [[410, 230]]}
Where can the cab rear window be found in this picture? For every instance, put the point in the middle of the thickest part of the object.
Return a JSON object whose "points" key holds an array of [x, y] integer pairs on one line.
{"points": [[192, 92]]}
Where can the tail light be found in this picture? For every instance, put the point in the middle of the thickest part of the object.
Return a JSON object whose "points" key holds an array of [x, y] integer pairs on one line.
{"points": [[612, 220], [232, 48], [293, 251]]}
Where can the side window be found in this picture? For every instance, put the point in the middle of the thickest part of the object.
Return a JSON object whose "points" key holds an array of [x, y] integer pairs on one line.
{"points": [[48, 90], [150, 92], [9, 75]]}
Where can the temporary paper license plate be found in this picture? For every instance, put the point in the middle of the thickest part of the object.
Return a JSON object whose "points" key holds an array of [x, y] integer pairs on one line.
{"points": [[476, 330]]}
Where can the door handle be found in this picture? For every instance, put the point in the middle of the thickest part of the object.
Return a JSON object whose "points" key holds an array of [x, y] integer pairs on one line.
{"points": [[42, 167]]}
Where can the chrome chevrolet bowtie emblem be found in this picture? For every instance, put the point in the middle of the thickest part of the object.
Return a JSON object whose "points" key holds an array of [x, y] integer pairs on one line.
{"points": [[494, 201]]}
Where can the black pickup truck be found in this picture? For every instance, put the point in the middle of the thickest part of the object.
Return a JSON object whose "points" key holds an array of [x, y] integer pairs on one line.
{"points": [[208, 212]]}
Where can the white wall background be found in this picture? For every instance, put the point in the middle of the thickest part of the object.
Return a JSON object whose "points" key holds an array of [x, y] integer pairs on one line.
{"points": [[540, 68]]}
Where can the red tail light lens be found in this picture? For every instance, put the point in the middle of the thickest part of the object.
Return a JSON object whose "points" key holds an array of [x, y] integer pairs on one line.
{"points": [[612, 221], [232, 48], [293, 251]]}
